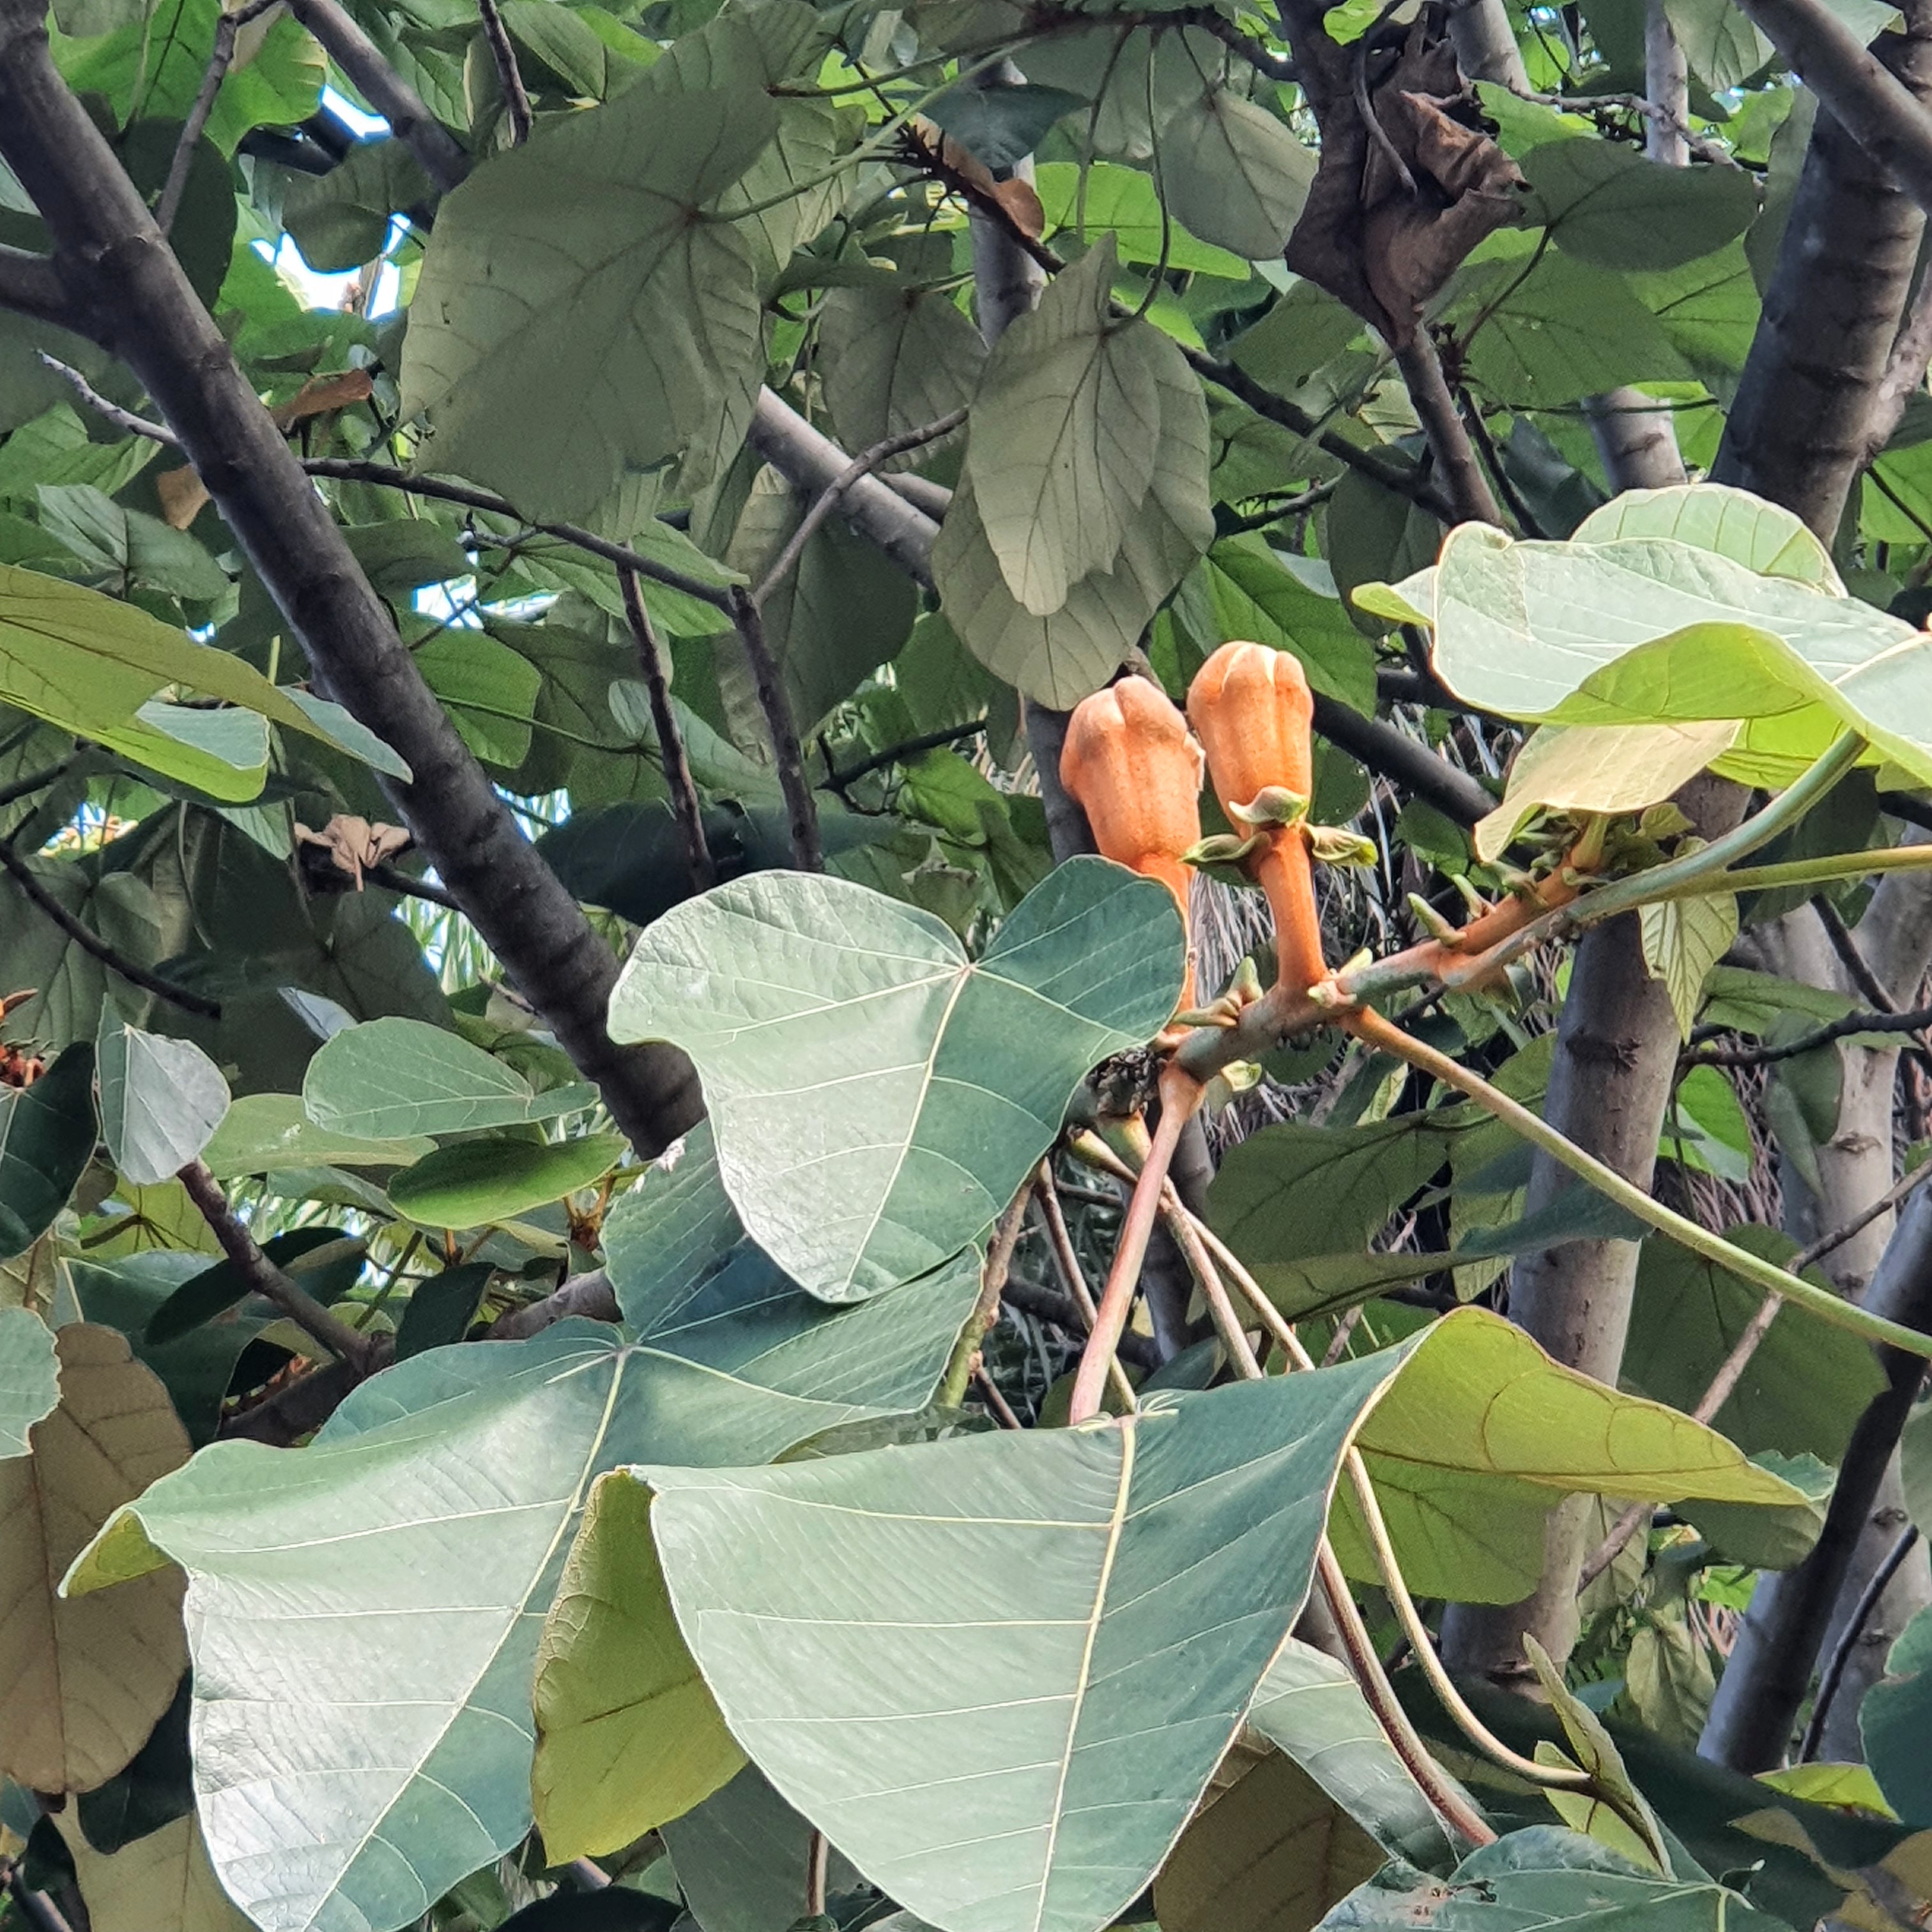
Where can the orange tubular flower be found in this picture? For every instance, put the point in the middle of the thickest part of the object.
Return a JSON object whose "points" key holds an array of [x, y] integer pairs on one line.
{"points": [[1252, 709], [1130, 764]]}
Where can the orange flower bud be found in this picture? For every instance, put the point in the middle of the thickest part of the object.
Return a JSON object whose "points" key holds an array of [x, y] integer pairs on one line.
{"points": [[1252, 708], [1132, 766]]}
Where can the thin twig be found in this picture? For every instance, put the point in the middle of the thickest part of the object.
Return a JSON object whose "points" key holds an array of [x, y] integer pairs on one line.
{"points": [[989, 1393], [263, 1277], [112, 413], [91, 942], [808, 855], [818, 1864], [1846, 947], [509, 76], [952, 1389], [1914, 1019], [226, 26], [829, 498], [393, 879], [893, 754], [1448, 435], [1854, 1629], [16, 789], [1072, 1277], [1181, 1096], [683, 789]]}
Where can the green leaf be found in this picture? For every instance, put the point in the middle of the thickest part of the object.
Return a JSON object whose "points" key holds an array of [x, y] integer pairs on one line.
{"points": [[1310, 1707], [1545, 1877], [1254, 595], [895, 359], [1892, 1721], [628, 1737], [340, 220], [878, 1097], [161, 1101], [1269, 1850], [590, 51], [573, 318], [1649, 630], [836, 1608], [128, 547], [1307, 327], [490, 689], [1564, 330], [479, 1181], [1123, 203], [29, 1378], [457, 1477], [389, 1079], [1683, 939], [1722, 44], [1057, 660], [1235, 174], [223, 752], [441, 1309], [1608, 205], [1479, 1432], [741, 1856], [46, 1139], [263, 1132], [1066, 433], [89, 663], [325, 1261], [1606, 768], [1709, 309], [1763, 537], [1804, 1387]]}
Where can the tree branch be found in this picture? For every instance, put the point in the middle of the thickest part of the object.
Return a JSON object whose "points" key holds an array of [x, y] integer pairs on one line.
{"points": [[1912, 1020], [385, 91], [1469, 496], [589, 1295], [1399, 758], [1904, 372], [141, 305], [829, 499], [509, 76], [1833, 1675], [264, 1278], [227, 26], [809, 459], [808, 854], [91, 943], [31, 285], [16, 789], [1861, 94], [684, 805], [1770, 1670]]}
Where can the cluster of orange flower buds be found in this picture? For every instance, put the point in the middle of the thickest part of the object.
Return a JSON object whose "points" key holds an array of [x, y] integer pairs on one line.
{"points": [[1132, 763]]}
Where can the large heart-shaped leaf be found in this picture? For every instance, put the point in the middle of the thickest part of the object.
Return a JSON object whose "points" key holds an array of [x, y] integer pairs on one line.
{"points": [[365, 1727], [1764, 537], [837, 1608], [262, 1132], [160, 1102], [628, 1737], [389, 1079], [574, 317], [1639, 630], [1545, 1877], [878, 1097]]}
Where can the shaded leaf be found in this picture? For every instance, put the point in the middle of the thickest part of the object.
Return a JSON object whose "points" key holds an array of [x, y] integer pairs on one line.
{"points": [[1608, 204], [325, 1261], [441, 1309], [1234, 173], [895, 359], [478, 1181], [583, 237], [1175, 1547], [46, 1139], [740, 1859], [162, 1882], [393, 1079], [878, 1097], [81, 1684], [1124, 203]]}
